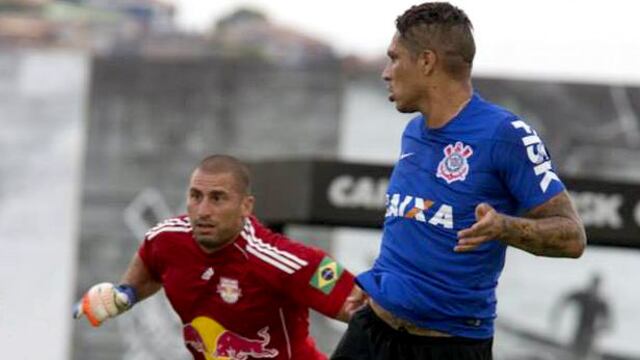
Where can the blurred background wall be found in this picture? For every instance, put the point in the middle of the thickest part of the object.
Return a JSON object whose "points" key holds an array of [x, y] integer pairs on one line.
{"points": [[42, 142], [106, 106]]}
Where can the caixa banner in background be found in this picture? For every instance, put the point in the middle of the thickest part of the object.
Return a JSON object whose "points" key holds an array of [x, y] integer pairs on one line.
{"points": [[338, 193]]}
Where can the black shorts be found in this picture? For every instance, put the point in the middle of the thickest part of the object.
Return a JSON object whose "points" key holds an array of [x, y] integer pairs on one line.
{"points": [[370, 338]]}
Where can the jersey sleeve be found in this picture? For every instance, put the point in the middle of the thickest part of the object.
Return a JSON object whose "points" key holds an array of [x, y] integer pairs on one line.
{"points": [[306, 274], [148, 252], [524, 164]]}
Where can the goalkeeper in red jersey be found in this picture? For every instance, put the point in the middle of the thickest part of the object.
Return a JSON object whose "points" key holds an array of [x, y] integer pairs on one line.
{"points": [[242, 291]]}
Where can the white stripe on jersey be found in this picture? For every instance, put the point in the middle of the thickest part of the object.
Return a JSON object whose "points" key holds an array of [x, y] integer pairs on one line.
{"points": [[150, 235], [282, 260], [248, 228], [241, 250], [178, 221], [174, 221], [286, 332], [271, 251], [269, 260], [169, 223]]}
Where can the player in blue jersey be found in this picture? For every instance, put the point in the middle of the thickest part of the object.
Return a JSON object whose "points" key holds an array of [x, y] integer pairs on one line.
{"points": [[472, 178]]}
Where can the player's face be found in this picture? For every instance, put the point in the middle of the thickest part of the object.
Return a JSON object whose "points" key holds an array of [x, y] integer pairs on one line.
{"points": [[403, 76], [217, 207]]}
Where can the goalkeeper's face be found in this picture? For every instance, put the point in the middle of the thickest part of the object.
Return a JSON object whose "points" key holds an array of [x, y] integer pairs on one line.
{"points": [[217, 206]]}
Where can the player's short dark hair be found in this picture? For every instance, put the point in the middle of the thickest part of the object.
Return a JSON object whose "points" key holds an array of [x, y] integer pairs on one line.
{"points": [[443, 28], [219, 164]]}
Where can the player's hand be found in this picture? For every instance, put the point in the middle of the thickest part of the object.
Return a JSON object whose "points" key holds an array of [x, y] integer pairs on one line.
{"points": [[488, 226], [354, 302], [104, 301]]}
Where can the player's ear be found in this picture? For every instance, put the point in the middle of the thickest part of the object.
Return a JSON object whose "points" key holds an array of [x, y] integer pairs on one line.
{"points": [[427, 60], [247, 205]]}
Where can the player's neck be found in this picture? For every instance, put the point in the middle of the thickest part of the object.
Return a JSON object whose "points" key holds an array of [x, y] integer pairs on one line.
{"points": [[445, 103], [210, 249]]}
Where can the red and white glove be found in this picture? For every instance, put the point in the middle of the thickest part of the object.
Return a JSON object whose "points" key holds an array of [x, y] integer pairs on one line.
{"points": [[104, 301]]}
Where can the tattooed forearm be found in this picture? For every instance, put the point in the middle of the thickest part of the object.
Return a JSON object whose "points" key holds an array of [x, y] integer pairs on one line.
{"points": [[552, 229], [556, 236]]}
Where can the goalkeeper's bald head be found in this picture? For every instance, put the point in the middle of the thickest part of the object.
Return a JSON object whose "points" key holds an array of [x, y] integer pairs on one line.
{"points": [[221, 164]]}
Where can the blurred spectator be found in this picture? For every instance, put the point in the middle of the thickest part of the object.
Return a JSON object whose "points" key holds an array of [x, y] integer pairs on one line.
{"points": [[593, 318]]}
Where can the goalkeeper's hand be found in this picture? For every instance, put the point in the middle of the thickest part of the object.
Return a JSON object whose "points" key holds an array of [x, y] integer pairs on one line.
{"points": [[104, 301]]}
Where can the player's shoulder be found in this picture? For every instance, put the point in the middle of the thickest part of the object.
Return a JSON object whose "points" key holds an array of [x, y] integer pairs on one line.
{"points": [[414, 125], [169, 227], [492, 114], [503, 124], [273, 252]]}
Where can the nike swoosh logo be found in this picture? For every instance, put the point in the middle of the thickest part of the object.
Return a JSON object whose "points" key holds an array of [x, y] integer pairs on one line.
{"points": [[402, 156]]}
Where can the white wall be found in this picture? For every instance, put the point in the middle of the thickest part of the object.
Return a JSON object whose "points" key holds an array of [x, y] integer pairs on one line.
{"points": [[42, 120]]}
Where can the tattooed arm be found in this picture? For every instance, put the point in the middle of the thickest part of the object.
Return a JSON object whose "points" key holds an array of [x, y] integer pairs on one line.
{"points": [[552, 229]]}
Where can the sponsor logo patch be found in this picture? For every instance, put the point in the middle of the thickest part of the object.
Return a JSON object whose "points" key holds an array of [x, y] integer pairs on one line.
{"points": [[326, 275], [209, 338], [537, 154], [207, 274], [405, 155]]}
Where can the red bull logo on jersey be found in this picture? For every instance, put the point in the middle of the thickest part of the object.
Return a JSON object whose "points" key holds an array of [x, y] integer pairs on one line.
{"points": [[229, 290], [454, 166], [207, 337]]}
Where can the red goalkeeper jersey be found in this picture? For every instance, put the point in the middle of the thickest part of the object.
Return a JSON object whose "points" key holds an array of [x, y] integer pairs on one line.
{"points": [[250, 299]]}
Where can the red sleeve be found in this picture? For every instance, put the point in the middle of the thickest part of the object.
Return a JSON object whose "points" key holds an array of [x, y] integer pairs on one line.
{"points": [[310, 277], [148, 253]]}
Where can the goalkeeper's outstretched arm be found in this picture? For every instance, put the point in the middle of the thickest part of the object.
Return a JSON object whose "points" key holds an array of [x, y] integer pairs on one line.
{"points": [[106, 300], [140, 279]]}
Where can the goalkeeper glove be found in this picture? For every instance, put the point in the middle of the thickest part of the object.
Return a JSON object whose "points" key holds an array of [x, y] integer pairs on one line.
{"points": [[104, 301]]}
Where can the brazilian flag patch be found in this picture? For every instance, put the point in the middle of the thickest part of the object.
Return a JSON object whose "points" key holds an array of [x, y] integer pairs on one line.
{"points": [[326, 275]]}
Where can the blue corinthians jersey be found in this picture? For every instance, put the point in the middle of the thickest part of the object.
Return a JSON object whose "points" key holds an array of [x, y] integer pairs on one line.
{"points": [[484, 154]]}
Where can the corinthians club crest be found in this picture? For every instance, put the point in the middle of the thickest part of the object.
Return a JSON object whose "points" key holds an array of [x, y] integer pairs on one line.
{"points": [[454, 166]]}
